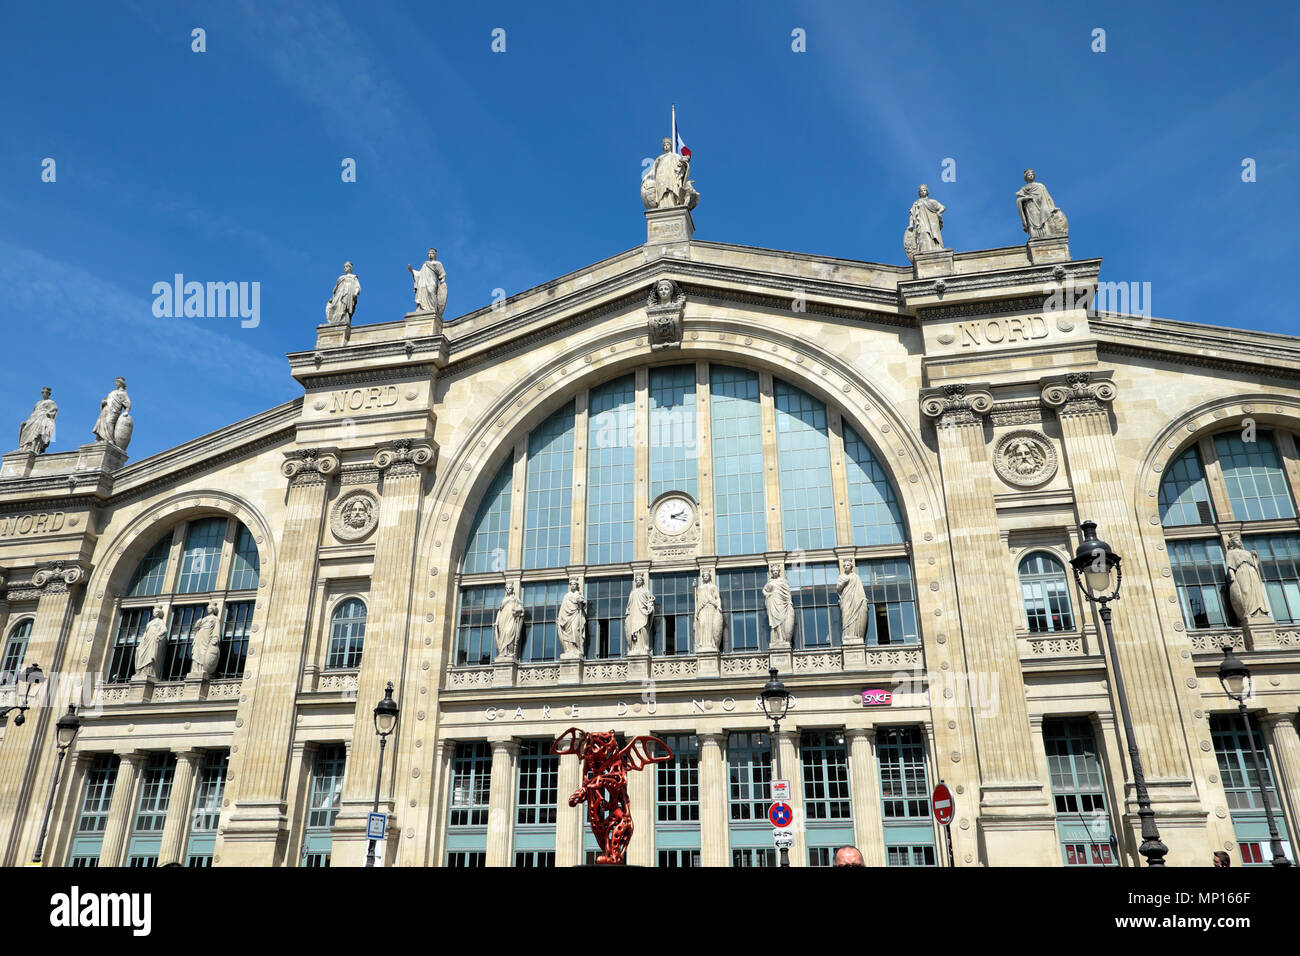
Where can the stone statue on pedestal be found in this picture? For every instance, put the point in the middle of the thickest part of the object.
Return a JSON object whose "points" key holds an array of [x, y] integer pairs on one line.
{"points": [[1039, 216], [149, 651], [571, 621], [37, 432], [205, 644], [510, 621], [853, 605], [343, 300], [668, 182], [708, 615], [640, 609], [430, 285], [114, 423], [924, 231], [1245, 587], [780, 610]]}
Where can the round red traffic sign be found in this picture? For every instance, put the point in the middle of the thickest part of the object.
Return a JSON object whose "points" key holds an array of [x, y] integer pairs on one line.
{"points": [[941, 800], [781, 815]]}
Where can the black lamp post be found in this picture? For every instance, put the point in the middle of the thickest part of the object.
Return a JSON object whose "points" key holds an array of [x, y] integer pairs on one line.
{"points": [[776, 701], [65, 731], [1094, 563], [1235, 678], [32, 676], [385, 722]]}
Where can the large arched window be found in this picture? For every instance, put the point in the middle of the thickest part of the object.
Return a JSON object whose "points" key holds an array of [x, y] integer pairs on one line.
{"points": [[675, 465], [15, 649], [1232, 482], [1045, 591], [209, 560], [347, 635]]}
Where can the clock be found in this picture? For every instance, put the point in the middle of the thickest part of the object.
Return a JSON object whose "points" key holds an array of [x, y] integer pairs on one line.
{"points": [[674, 515]]}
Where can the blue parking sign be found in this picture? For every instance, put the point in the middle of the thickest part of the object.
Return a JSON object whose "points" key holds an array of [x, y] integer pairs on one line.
{"points": [[376, 826]]}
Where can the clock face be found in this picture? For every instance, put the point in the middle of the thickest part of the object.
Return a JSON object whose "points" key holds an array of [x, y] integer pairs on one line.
{"points": [[674, 515]]}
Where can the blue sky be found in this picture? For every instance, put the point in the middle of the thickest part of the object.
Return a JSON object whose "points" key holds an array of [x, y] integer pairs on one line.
{"points": [[521, 166]]}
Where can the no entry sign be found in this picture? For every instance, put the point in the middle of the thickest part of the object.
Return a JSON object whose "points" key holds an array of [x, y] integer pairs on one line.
{"points": [[941, 800]]}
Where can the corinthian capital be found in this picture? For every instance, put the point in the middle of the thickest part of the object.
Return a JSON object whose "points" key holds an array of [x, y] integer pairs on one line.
{"points": [[1079, 392], [956, 404]]}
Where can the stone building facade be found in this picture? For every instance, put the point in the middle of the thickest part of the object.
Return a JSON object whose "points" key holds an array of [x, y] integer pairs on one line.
{"points": [[942, 427]]}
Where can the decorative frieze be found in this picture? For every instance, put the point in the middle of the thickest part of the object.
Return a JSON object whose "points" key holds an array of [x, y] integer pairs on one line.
{"points": [[670, 668], [1055, 646], [744, 664], [1017, 413], [469, 677], [548, 674], [818, 662]]}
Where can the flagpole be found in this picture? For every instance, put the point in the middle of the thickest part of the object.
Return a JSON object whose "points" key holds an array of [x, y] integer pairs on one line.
{"points": [[674, 130]]}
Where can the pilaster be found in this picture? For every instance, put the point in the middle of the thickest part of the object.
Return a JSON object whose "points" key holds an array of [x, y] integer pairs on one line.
{"points": [[1286, 746], [714, 836], [864, 787], [568, 821], [122, 808], [177, 827], [792, 770], [641, 798], [501, 803]]}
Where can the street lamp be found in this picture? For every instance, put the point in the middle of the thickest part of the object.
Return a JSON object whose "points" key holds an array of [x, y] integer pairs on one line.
{"points": [[65, 731], [1235, 678], [385, 721], [776, 701], [32, 676], [1094, 563]]}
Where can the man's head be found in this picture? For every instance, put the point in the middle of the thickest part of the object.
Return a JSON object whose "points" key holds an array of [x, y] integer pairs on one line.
{"points": [[1222, 859], [347, 267], [849, 856], [668, 145], [433, 254], [120, 382], [1029, 175], [45, 392]]}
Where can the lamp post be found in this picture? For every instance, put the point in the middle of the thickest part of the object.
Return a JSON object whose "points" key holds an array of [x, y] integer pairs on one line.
{"points": [[1235, 678], [32, 676], [385, 722], [1093, 564], [776, 701], [65, 731]]}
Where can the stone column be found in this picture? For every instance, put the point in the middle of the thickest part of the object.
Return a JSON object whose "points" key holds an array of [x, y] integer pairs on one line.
{"points": [[258, 827], [121, 810], [501, 803], [1103, 496], [568, 820], [1286, 769], [402, 465], [864, 788], [1016, 817], [176, 830], [792, 770], [641, 797], [714, 814], [27, 758]]}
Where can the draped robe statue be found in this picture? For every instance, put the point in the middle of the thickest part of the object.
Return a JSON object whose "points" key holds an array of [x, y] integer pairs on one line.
{"points": [[1246, 589], [924, 225], [708, 616], [571, 621], [343, 300], [430, 285], [853, 605], [37, 432], [780, 609], [149, 651], [640, 609], [116, 404], [668, 183], [205, 644], [510, 621], [1039, 216]]}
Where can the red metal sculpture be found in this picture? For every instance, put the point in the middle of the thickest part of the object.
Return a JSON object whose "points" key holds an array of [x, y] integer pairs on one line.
{"points": [[605, 768]]}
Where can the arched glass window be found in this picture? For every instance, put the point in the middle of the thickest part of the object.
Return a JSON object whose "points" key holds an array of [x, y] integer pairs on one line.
{"points": [[1253, 475], [1045, 590], [804, 453], [739, 502], [15, 650], [347, 635], [873, 506], [211, 560], [611, 472], [674, 450], [1183, 498], [489, 537], [548, 493]]}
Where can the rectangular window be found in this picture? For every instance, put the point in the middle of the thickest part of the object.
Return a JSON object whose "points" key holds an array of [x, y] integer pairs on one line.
{"points": [[606, 608], [541, 638], [804, 456], [15, 650], [1183, 496], [816, 605], [532, 858], [539, 771], [891, 618], [548, 492], [741, 591], [1241, 787], [753, 856], [463, 859], [475, 635], [471, 785], [611, 466], [235, 627], [674, 452], [749, 765], [1279, 568], [681, 858], [1201, 583], [826, 801], [739, 499], [323, 808], [674, 619], [202, 556], [244, 565], [151, 810], [905, 797], [209, 790], [176, 656], [678, 781], [1078, 790], [96, 800], [130, 626], [1254, 478]]}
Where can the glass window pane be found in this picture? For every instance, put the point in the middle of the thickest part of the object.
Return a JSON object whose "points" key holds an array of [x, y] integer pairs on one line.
{"points": [[739, 499], [202, 555], [674, 453], [347, 635], [611, 462], [548, 492], [804, 457], [489, 536], [873, 506]]}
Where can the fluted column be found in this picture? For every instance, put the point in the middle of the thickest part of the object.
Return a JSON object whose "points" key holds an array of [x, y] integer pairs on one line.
{"points": [[641, 798], [501, 803], [568, 820], [121, 810], [864, 788], [792, 770], [27, 759], [1013, 802], [177, 828], [1286, 770], [714, 835], [388, 618], [257, 831]]}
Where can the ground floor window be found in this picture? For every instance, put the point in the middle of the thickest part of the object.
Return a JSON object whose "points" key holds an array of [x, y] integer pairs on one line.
{"points": [[1241, 786]]}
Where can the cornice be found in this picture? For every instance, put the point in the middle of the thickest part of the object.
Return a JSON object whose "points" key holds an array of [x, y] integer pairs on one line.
{"points": [[1205, 346]]}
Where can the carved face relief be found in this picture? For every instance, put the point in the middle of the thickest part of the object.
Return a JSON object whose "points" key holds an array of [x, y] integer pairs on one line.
{"points": [[354, 516], [1025, 458]]}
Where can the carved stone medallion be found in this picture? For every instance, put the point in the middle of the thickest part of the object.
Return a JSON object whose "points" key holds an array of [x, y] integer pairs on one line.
{"points": [[1025, 458], [354, 516]]}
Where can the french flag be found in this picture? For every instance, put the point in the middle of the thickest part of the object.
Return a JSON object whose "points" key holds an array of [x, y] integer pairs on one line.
{"points": [[679, 144]]}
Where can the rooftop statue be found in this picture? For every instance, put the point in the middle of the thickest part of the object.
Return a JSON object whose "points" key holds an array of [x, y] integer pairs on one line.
{"points": [[37, 432], [924, 225], [668, 183], [114, 424], [430, 285], [343, 300], [1038, 214]]}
